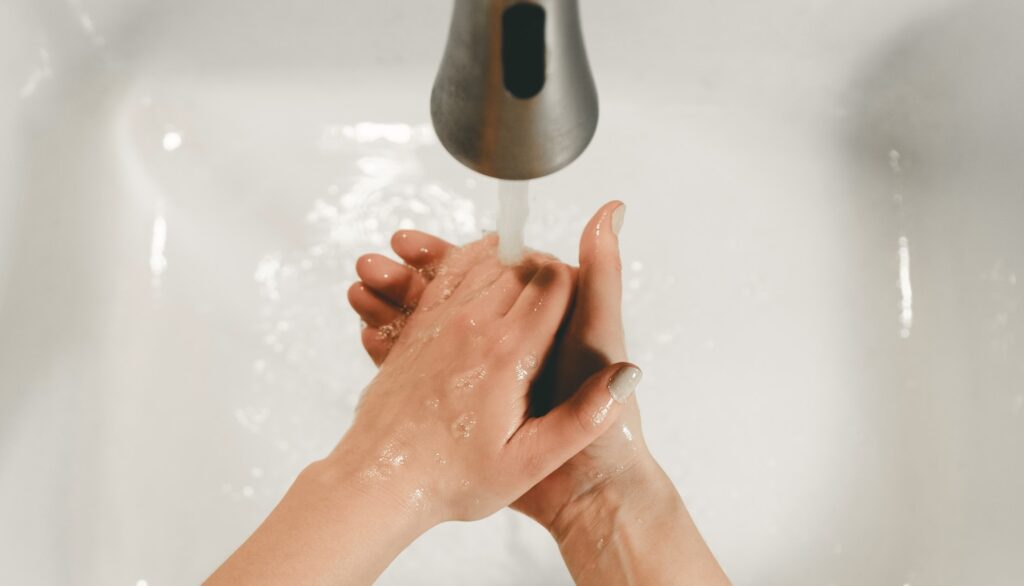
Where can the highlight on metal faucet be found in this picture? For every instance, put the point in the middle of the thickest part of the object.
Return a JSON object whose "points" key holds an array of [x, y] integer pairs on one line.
{"points": [[514, 97]]}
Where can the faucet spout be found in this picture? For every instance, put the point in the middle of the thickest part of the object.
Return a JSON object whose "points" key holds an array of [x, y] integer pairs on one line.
{"points": [[514, 97]]}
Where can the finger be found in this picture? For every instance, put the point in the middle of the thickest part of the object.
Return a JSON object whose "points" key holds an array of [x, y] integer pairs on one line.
{"points": [[502, 294], [419, 249], [477, 284], [544, 301], [495, 287], [545, 443], [599, 291], [457, 263], [394, 282], [374, 310], [377, 345]]}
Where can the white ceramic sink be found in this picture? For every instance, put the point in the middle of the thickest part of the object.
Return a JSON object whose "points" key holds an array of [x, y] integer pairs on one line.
{"points": [[824, 255]]}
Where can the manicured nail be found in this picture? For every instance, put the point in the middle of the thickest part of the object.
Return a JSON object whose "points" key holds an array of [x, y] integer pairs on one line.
{"points": [[617, 218], [624, 382]]}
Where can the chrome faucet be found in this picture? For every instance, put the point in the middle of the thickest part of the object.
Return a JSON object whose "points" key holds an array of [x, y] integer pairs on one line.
{"points": [[514, 97]]}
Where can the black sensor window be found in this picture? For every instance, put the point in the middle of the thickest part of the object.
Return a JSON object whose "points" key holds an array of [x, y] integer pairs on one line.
{"points": [[522, 49]]}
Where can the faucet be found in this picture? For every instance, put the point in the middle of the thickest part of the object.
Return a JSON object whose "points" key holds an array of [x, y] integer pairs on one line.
{"points": [[514, 97]]}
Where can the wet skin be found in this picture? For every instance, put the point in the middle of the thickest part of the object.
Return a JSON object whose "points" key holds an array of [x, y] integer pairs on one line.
{"points": [[444, 431], [584, 502]]}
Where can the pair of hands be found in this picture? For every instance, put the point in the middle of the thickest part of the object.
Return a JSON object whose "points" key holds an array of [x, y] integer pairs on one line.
{"points": [[469, 349], [497, 386]]}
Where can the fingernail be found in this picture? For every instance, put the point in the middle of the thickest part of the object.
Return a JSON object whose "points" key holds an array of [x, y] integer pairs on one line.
{"points": [[617, 218], [624, 382]]}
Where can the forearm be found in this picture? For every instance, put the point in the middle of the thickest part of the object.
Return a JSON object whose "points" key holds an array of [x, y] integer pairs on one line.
{"points": [[326, 530], [635, 530]]}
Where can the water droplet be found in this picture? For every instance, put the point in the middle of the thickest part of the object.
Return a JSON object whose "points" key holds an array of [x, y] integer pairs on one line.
{"points": [[894, 161], [468, 381], [463, 426], [601, 414], [392, 330], [391, 456], [172, 140], [525, 366], [417, 498], [372, 473]]}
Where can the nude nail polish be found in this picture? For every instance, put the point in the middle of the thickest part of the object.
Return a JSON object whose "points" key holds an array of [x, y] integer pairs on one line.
{"points": [[624, 382], [618, 216]]}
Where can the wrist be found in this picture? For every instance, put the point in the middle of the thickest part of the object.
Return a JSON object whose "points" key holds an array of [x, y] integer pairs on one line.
{"points": [[600, 491], [634, 529], [326, 529], [639, 492], [354, 481]]}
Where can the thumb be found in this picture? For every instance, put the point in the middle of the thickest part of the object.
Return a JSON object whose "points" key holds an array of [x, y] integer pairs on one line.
{"points": [[567, 429], [599, 292]]}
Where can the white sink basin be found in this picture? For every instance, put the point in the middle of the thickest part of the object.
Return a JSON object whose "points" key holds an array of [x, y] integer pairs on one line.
{"points": [[824, 256]]}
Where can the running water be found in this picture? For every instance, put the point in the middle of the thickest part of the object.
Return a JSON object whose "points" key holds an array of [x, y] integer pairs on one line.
{"points": [[513, 209]]}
